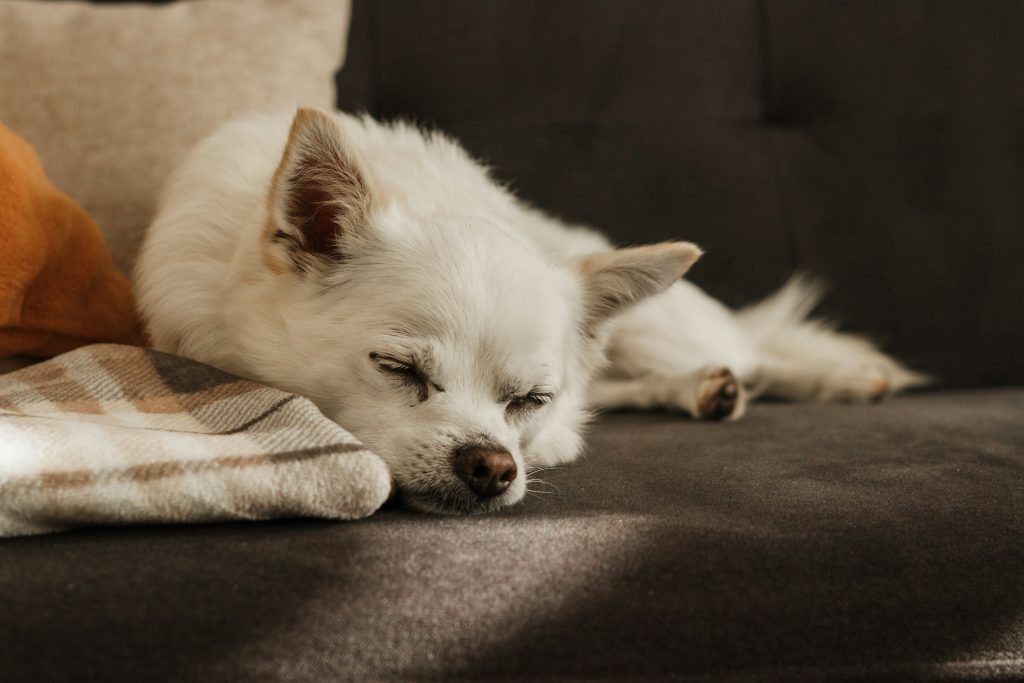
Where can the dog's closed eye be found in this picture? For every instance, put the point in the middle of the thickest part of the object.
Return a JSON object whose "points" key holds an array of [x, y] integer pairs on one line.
{"points": [[407, 373], [527, 403]]}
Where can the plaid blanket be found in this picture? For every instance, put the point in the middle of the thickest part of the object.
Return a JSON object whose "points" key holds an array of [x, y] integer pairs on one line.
{"points": [[111, 434]]}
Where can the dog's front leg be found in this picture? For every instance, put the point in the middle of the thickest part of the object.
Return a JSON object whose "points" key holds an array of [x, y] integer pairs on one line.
{"points": [[708, 394], [558, 439]]}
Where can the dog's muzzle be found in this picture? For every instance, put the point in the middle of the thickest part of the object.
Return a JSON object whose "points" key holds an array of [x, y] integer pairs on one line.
{"points": [[486, 470]]}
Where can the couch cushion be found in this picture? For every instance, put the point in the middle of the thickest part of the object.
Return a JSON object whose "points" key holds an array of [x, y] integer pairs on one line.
{"points": [[800, 544], [873, 144]]}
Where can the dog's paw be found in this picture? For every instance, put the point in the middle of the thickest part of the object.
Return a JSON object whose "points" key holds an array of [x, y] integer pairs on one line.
{"points": [[711, 394], [720, 396], [556, 445]]}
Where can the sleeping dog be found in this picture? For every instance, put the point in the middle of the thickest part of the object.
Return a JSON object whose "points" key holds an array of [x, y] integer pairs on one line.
{"points": [[459, 333]]}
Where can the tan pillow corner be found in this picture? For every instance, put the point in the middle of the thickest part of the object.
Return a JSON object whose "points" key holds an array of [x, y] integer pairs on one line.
{"points": [[113, 96]]}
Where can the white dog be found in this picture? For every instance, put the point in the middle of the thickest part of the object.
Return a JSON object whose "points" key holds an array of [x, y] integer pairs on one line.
{"points": [[459, 333]]}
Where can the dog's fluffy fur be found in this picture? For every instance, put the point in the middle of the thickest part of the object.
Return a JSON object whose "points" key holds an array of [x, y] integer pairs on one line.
{"points": [[381, 272]]}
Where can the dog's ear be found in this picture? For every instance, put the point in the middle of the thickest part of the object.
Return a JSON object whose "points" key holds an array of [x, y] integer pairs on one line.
{"points": [[318, 195], [615, 280]]}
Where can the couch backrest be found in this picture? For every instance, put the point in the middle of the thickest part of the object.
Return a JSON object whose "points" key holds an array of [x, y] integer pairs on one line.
{"points": [[878, 145]]}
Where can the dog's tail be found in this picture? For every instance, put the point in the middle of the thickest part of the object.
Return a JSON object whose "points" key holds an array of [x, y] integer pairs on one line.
{"points": [[806, 358]]}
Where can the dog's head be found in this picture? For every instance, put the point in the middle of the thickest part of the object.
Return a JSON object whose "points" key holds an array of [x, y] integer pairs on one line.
{"points": [[441, 339]]}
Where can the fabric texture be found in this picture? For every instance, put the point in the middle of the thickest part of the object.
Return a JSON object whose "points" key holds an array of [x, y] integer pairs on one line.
{"points": [[111, 434], [112, 97], [804, 543], [872, 144], [59, 288]]}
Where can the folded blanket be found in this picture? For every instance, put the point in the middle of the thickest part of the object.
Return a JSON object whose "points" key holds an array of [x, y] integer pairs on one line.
{"points": [[58, 286], [112, 434]]}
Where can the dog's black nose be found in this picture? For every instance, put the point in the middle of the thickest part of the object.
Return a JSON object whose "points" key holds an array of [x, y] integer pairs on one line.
{"points": [[487, 471]]}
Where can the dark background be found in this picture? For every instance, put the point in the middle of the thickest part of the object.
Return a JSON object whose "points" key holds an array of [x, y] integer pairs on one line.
{"points": [[878, 145]]}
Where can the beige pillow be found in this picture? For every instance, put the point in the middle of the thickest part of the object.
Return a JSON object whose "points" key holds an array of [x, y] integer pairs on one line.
{"points": [[112, 96]]}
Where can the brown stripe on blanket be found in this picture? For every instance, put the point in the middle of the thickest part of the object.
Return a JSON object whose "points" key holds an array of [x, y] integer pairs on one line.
{"points": [[137, 382], [63, 480], [170, 468], [66, 392], [186, 378], [144, 387], [51, 382], [56, 417], [261, 417], [8, 404], [209, 397]]}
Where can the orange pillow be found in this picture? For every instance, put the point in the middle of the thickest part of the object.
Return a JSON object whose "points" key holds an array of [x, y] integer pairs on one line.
{"points": [[59, 288]]}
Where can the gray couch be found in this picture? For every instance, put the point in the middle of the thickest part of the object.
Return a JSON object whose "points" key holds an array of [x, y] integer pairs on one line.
{"points": [[876, 144]]}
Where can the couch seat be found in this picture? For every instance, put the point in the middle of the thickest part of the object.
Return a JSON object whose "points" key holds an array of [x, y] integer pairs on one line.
{"points": [[804, 543]]}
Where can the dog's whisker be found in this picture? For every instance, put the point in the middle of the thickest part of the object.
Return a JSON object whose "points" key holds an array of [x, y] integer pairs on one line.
{"points": [[544, 483]]}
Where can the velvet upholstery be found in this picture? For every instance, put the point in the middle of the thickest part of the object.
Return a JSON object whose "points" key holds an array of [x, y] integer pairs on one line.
{"points": [[874, 144], [804, 543]]}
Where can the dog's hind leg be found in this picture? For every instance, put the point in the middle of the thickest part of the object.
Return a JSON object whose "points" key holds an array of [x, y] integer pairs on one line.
{"points": [[680, 350], [711, 393], [660, 349], [805, 380], [806, 359]]}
